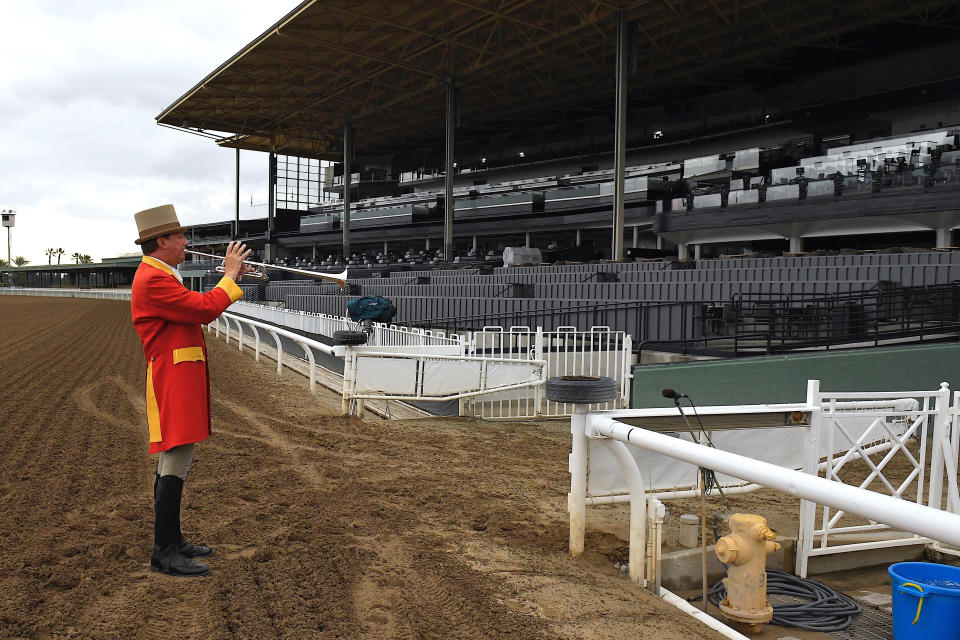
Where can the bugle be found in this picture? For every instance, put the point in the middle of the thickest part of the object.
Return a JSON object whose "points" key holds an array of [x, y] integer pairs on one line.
{"points": [[339, 278]]}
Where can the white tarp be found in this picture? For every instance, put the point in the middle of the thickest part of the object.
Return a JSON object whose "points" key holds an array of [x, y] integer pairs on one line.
{"points": [[447, 377], [395, 376], [501, 374]]}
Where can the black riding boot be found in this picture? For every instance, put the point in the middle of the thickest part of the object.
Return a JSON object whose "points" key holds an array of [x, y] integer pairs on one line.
{"points": [[168, 555], [187, 548]]}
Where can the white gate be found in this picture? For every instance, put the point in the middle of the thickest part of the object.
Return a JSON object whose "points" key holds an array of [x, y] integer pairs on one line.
{"points": [[566, 351], [856, 426]]}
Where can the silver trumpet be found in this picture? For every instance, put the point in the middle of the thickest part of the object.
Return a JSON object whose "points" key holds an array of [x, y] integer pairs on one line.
{"points": [[339, 278]]}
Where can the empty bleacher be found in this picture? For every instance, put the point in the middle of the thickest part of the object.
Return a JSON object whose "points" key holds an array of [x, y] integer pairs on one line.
{"points": [[649, 300]]}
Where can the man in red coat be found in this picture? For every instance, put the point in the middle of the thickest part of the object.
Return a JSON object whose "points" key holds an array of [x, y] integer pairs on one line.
{"points": [[168, 317]]}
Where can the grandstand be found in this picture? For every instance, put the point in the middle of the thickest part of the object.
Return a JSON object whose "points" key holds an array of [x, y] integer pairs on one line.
{"points": [[797, 190], [789, 170], [584, 128]]}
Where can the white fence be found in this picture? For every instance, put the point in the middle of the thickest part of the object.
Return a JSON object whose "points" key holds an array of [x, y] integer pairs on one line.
{"points": [[566, 351], [486, 356], [824, 435], [105, 294], [887, 421], [324, 325]]}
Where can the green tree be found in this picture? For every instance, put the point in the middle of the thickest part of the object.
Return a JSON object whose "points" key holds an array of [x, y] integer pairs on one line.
{"points": [[3, 263], [86, 259], [75, 257], [59, 252], [19, 279], [50, 253]]}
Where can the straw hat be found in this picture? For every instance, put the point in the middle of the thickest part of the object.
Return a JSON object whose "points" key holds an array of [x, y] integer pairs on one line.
{"points": [[156, 222]]}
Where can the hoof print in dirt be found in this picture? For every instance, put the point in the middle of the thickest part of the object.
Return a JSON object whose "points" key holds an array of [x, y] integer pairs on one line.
{"points": [[581, 389], [349, 337]]}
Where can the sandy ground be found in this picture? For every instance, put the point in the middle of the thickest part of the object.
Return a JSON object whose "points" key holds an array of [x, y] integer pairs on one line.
{"points": [[324, 527]]}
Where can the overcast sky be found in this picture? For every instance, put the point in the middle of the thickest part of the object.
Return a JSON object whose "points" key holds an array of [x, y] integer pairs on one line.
{"points": [[81, 82]]}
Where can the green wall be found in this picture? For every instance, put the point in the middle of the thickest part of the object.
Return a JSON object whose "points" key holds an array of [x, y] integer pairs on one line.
{"points": [[772, 379]]}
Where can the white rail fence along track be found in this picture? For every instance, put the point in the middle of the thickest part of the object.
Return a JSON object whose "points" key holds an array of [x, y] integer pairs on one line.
{"points": [[495, 373]]}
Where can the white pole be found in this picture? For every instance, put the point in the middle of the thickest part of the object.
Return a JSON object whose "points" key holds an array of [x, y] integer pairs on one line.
{"points": [[638, 507], [907, 516], [576, 499], [705, 618]]}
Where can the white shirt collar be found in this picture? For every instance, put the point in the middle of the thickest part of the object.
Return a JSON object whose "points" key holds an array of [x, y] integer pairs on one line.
{"points": [[176, 273]]}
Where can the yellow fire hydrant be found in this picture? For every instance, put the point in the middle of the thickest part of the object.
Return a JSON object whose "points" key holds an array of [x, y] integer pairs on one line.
{"points": [[745, 551]]}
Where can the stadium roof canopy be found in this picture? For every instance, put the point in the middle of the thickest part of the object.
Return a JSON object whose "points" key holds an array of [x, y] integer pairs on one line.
{"points": [[384, 64]]}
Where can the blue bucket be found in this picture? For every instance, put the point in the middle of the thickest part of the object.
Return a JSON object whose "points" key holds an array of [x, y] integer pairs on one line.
{"points": [[926, 600]]}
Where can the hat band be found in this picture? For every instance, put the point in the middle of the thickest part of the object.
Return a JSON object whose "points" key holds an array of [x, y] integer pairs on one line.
{"points": [[162, 230]]}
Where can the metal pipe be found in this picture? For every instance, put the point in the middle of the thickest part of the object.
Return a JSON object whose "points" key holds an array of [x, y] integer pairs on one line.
{"points": [[705, 618], [271, 205], [908, 516], [448, 172], [638, 508], [236, 212], [347, 158], [729, 490], [620, 136]]}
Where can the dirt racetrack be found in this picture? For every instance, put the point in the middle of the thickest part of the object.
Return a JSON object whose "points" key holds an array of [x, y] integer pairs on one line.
{"points": [[323, 527]]}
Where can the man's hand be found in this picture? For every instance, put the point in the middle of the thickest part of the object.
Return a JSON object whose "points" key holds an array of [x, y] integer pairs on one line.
{"points": [[233, 265]]}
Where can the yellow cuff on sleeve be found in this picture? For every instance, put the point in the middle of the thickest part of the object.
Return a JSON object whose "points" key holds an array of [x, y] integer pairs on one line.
{"points": [[231, 288]]}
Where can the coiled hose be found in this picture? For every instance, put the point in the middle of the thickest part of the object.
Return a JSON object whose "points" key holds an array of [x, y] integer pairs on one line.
{"points": [[826, 610]]}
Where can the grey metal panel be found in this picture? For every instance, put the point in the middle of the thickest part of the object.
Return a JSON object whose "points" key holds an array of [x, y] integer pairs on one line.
{"points": [[707, 200], [820, 188], [783, 192]]}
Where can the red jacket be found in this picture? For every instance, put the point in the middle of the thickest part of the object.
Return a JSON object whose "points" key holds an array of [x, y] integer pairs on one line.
{"points": [[168, 317]]}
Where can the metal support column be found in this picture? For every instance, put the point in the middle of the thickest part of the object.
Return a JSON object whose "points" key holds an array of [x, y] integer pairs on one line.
{"points": [[448, 171], [347, 158], [620, 136], [271, 207], [236, 211], [943, 238]]}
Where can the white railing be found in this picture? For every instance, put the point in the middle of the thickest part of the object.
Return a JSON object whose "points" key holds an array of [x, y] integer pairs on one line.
{"points": [[307, 344], [103, 294], [926, 522], [325, 325], [565, 352]]}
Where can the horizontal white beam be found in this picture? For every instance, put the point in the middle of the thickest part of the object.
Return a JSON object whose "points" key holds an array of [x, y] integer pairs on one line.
{"points": [[907, 516]]}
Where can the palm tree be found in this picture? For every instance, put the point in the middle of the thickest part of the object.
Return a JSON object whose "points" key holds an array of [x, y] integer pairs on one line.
{"points": [[50, 253], [20, 261], [59, 252], [75, 256], [86, 259], [3, 263]]}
